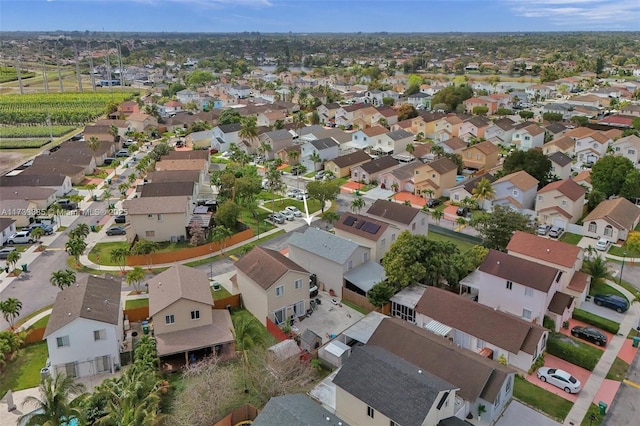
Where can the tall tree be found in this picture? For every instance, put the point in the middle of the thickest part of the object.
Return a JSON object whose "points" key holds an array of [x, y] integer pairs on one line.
{"points": [[119, 255], [323, 191], [357, 204], [60, 398], [63, 278], [533, 162], [135, 277], [380, 294], [10, 309], [274, 182], [227, 214], [598, 269], [497, 228], [75, 247], [12, 259], [609, 173], [483, 191], [220, 235], [410, 148], [93, 144], [145, 247], [81, 231], [249, 130]]}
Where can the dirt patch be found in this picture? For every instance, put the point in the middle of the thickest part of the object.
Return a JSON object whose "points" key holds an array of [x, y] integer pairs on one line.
{"points": [[9, 160]]}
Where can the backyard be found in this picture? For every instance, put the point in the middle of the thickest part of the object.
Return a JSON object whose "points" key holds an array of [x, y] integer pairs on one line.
{"points": [[553, 405], [461, 244], [24, 370]]}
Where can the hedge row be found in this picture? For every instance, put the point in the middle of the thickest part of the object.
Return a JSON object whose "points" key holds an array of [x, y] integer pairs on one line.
{"points": [[597, 321], [575, 352]]}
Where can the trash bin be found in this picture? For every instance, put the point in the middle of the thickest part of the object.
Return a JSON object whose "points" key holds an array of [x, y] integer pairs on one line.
{"points": [[95, 198], [603, 407], [109, 181], [24, 267], [357, 192], [636, 342], [93, 228], [145, 327], [44, 372]]}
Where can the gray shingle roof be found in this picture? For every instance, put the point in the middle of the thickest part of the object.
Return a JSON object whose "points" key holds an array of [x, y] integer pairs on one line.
{"points": [[323, 244], [277, 135], [379, 164], [324, 143], [372, 374], [296, 409], [560, 158], [230, 128], [521, 271], [399, 134]]}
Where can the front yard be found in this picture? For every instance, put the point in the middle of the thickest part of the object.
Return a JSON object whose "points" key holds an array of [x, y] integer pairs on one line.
{"points": [[573, 351], [100, 254], [570, 238], [541, 399], [23, 371]]}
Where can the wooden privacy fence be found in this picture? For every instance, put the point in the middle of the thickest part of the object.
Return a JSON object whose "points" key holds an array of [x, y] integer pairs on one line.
{"points": [[231, 301], [241, 414], [363, 302], [187, 253], [137, 314], [35, 335], [276, 331]]}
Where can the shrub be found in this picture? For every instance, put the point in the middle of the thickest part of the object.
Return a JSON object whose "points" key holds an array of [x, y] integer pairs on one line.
{"points": [[539, 362], [549, 324], [575, 352], [597, 321]]}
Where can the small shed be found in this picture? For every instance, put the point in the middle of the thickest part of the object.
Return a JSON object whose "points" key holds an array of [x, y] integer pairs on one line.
{"points": [[285, 350], [310, 341], [334, 353]]}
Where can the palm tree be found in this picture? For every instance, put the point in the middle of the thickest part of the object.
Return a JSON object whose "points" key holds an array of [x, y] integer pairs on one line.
{"points": [[357, 204], [264, 148], [145, 247], [56, 210], [299, 120], [597, 268], [60, 398], [37, 233], [461, 221], [429, 192], [63, 278], [248, 335], [134, 277], [113, 131], [410, 148], [106, 195], [119, 255], [81, 231], [249, 130], [315, 157], [75, 247], [10, 309], [483, 191], [274, 182], [220, 235], [437, 150], [13, 258], [293, 156], [437, 215], [131, 178], [91, 187], [93, 144], [123, 187]]}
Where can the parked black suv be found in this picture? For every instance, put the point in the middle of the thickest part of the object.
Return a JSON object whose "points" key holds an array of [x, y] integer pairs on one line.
{"points": [[463, 211], [590, 334], [67, 204], [433, 202]]}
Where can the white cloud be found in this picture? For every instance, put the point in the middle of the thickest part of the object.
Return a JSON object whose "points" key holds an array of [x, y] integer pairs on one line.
{"points": [[581, 14]]}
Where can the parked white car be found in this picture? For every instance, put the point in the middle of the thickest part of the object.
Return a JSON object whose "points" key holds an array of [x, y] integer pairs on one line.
{"points": [[603, 244], [559, 378], [293, 209], [22, 237], [287, 214]]}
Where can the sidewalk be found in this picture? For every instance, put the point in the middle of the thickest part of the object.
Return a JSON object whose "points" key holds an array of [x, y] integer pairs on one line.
{"points": [[593, 385]]}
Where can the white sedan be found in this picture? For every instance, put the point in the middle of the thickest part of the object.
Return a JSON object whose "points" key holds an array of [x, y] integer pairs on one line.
{"points": [[603, 244], [294, 210], [559, 378], [287, 214]]}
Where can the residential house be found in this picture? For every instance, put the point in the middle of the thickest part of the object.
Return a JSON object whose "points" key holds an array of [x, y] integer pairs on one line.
{"points": [[272, 285], [612, 219], [185, 325], [370, 171], [556, 130], [42, 198], [121, 125], [141, 122], [631, 109], [480, 156], [198, 154], [560, 203], [400, 178], [128, 107], [325, 149], [328, 256], [240, 91], [100, 132], [277, 140], [500, 132], [371, 374], [7, 225], [171, 107], [341, 166], [365, 117], [540, 91], [588, 100], [183, 164], [420, 100], [294, 409], [270, 118], [375, 97], [516, 190], [583, 178], [480, 381], [566, 258], [591, 148], [367, 232], [389, 114], [465, 190], [479, 102], [444, 127], [367, 138], [345, 114], [13, 210], [202, 139], [473, 127], [285, 154], [171, 176], [479, 328], [159, 218], [405, 218], [175, 189], [453, 145], [58, 182], [564, 144], [225, 135], [527, 136], [560, 165], [186, 96], [628, 147], [327, 112], [521, 287], [85, 330], [392, 142], [432, 178]]}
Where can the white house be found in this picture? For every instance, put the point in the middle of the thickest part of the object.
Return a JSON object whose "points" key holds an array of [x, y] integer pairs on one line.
{"points": [[612, 219], [628, 147], [325, 148], [516, 190], [528, 136], [224, 135], [592, 147], [85, 330]]}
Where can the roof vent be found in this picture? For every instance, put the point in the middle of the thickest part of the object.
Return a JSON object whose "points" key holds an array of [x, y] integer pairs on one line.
{"points": [[498, 262], [106, 302], [88, 309], [419, 371], [69, 314], [548, 250]]}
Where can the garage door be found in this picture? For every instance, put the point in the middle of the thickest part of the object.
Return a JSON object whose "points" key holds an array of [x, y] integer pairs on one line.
{"points": [[560, 222]]}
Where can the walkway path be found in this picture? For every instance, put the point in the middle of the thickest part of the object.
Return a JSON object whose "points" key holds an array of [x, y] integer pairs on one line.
{"points": [[596, 380]]}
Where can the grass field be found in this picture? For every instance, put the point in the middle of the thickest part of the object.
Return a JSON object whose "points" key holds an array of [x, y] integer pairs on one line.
{"points": [[23, 143], [24, 370], [34, 131], [101, 253], [461, 244], [42, 322], [136, 303], [618, 370], [570, 238], [545, 401]]}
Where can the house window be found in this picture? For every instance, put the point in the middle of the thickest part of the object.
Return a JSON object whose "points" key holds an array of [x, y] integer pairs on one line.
{"points": [[150, 233], [71, 369], [617, 149], [564, 203], [383, 243], [150, 216], [608, 231], [631, 151], [559, 276], [169, 319], [593, 227], [468, 155], [370, 411], [456, 197], [392, 423], [297, 284], [509, 285], [527, 138], [103, 364], [159, 217], [516, 193], [478, 156], [350, 265], [413, 226], [540, 197], [195, 315], [63, 342], [100, 334], [279, 290], [526, 313], [508, 386], [497, 400], [355, 175], [365, 257], [528, 291]]}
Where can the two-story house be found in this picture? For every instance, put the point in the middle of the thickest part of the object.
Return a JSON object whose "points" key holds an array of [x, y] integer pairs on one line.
{"points": [[366, 138], [481, 329], [272, 285], [60, 183], [277, 140], [345, 114], [560, 203], [591, 148], [325, 149], [367, 232], [224, 135], [564, 144], [527, 136], [371, 374], [446, 128], [85, 329], [269, 118], [612, 219], [516, 190], [465, 190], [392, 142], [405, 218], [371, 171], [185, 325], [159, 218], [240, 91], [480, 156], [500, 132], [327, 112], [341, 166], [473, 127], [400, 178], [481, 381], [185, 96], [453, 145], [432, 178], [628, 147], [560, 165], [141, 122], [328, 256]]}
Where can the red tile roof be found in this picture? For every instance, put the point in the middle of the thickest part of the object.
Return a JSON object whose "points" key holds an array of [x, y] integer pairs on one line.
{"points": [[552, 251]]}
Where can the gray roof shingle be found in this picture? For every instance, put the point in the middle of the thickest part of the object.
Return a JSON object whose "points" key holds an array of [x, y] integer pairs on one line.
{"points": [[324, 143], [323, 244], [295, 409]]}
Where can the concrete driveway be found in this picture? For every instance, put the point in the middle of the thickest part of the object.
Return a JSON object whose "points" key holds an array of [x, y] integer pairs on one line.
{"points": [[607, 313], [518, 414], [554, 362], [573, 323]]}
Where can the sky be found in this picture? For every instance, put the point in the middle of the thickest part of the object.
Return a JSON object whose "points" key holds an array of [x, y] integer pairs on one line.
{"points": [[312, 16]]}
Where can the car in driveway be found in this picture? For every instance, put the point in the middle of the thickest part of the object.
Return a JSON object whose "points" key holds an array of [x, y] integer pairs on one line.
{"points": [[48, 230], [433, 202], [319, 175], [293, 209], [589, 334], [122, 153], [293, 192], [67, 204], [120, 219], [560, 379], [4, 252], [612, 301], [462, 211], [556, 231], [116, 230], [543, 229], [603, 244], [22, 237], [287, 214], [275, 218]]}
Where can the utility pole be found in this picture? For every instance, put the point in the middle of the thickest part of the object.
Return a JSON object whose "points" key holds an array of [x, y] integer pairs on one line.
{"points": [[45, 80], [120, 66], [108, 62], [18, 73], [93, 76], [59, 72], [75, 47]]}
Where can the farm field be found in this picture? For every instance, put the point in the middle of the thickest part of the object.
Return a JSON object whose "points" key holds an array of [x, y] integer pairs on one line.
{"points": [[10, 74]]}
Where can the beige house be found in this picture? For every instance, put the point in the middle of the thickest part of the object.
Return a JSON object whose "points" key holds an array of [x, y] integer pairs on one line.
{"points": [[12, 209], [405, 218], [564, 144], [560, 202], [370, 171], [159, 218], [185, 325], [612, 219], [481, 156], [560, 165], [628, 147], [341, 166], [272, 285], [192, 164], [367, 232], [140, 122], [42, 197], [435, 176]]}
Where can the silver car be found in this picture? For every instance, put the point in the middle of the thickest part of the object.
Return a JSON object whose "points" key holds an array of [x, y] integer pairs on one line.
{"points": [[287, 214], [293, 209], [559, 378]]}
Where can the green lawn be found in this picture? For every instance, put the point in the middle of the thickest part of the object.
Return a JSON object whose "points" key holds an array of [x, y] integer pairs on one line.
{"points": [[545, 401], [356, 307], [618, 370], [31, 315], [596, 320], [461, 244], [602, 288], [592, 417], [623, 251], [136, 303], [24, 370], [570, 238], [312, 204], [41, 323], [266, 336], [235, 251], [220, 294], [101, 253], [256, 223]]}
